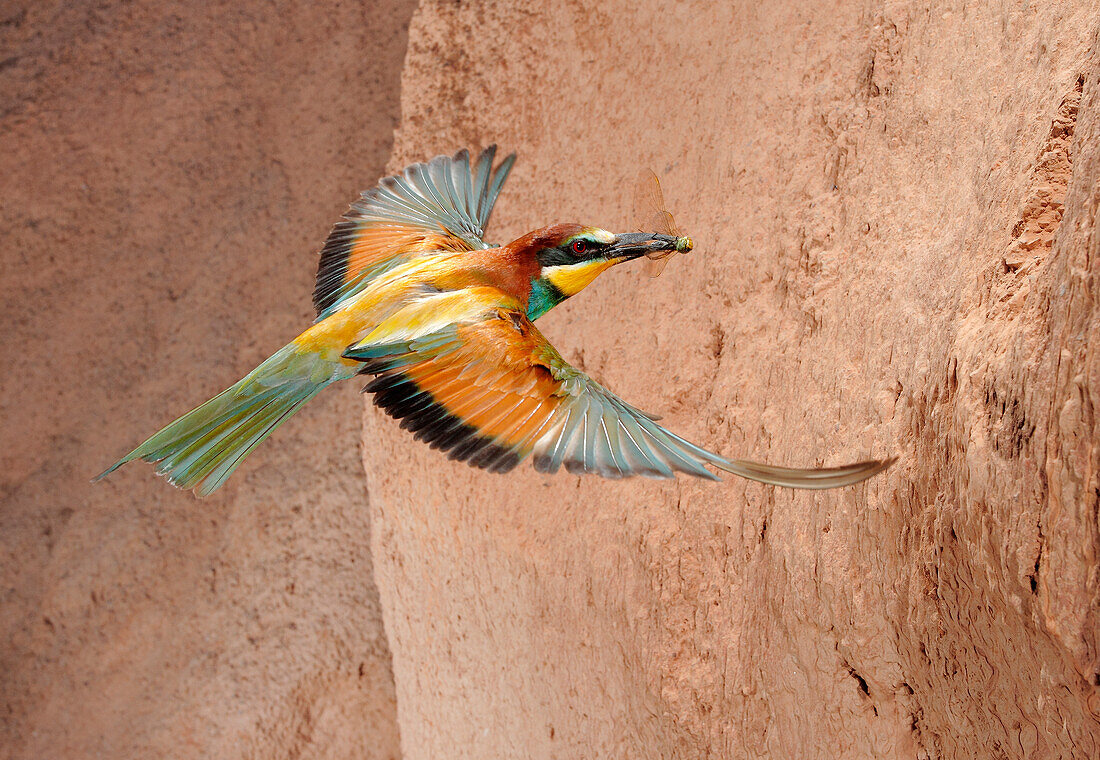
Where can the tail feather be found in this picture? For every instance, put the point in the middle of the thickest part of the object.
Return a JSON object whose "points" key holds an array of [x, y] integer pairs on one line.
{"points": [[826, 477], [225, 462], [202, 448], [196, 453]]}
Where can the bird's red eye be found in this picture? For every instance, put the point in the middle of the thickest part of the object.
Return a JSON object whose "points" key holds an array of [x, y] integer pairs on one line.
{"points": [[579, 246]]}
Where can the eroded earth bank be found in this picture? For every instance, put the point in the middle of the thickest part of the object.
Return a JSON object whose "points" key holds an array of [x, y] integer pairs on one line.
{"points": [[895, 210]]}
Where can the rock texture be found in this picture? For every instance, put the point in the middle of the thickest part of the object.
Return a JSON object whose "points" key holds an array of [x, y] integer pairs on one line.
{"points": [[895, 207], [169, 170]]}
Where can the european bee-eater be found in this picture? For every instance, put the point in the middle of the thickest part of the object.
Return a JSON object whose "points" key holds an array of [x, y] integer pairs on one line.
{"points": [[409, 293]]}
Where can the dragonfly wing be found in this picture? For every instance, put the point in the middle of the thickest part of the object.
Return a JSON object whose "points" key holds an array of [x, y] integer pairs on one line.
{"points": [[650, 215], [649, 201]]}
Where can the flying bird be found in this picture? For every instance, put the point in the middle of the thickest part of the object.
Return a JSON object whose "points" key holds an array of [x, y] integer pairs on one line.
{"points": [[409, 294]]}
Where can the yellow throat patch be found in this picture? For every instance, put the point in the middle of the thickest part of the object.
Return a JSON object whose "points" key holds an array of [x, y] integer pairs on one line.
{"points": [[571, 279]]}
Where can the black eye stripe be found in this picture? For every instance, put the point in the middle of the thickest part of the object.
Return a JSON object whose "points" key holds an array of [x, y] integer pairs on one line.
{"points": [[587, 245], [565, 255]]}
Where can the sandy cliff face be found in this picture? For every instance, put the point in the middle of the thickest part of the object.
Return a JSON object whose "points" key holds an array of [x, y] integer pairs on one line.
{"points": [[169, 171], [895, 209]]}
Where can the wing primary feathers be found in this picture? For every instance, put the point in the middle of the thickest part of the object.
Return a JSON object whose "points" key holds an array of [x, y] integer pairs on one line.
{"points": [[591, 435], [467, 448], [443, 432], [432, 177], [634, 458], [409, 402], [456, 191], [417, 415], [415, 176], [676, 456], [432, 424], [568, 433], [392, 190], [458, 177], [638, 439], [462, 178], [610, 429], [498, 182], [493, 454], [481, 180]]}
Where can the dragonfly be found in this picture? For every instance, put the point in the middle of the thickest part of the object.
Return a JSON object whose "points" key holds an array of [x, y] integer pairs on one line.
{"points": [[651, 215]]}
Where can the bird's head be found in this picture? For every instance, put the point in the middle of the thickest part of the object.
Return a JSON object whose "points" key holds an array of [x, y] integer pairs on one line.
{"points": [[570, 256]]}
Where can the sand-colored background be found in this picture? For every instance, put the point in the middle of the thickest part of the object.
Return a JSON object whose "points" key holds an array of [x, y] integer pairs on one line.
{"points": [[169, 170], [896, 209]]}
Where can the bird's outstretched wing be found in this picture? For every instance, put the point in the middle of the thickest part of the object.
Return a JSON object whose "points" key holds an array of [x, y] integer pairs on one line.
{"points": [[441, 205], [493, 392]]}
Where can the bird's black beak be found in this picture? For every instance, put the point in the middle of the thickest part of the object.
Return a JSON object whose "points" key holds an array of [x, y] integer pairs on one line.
{"points": [[631, 245]]}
